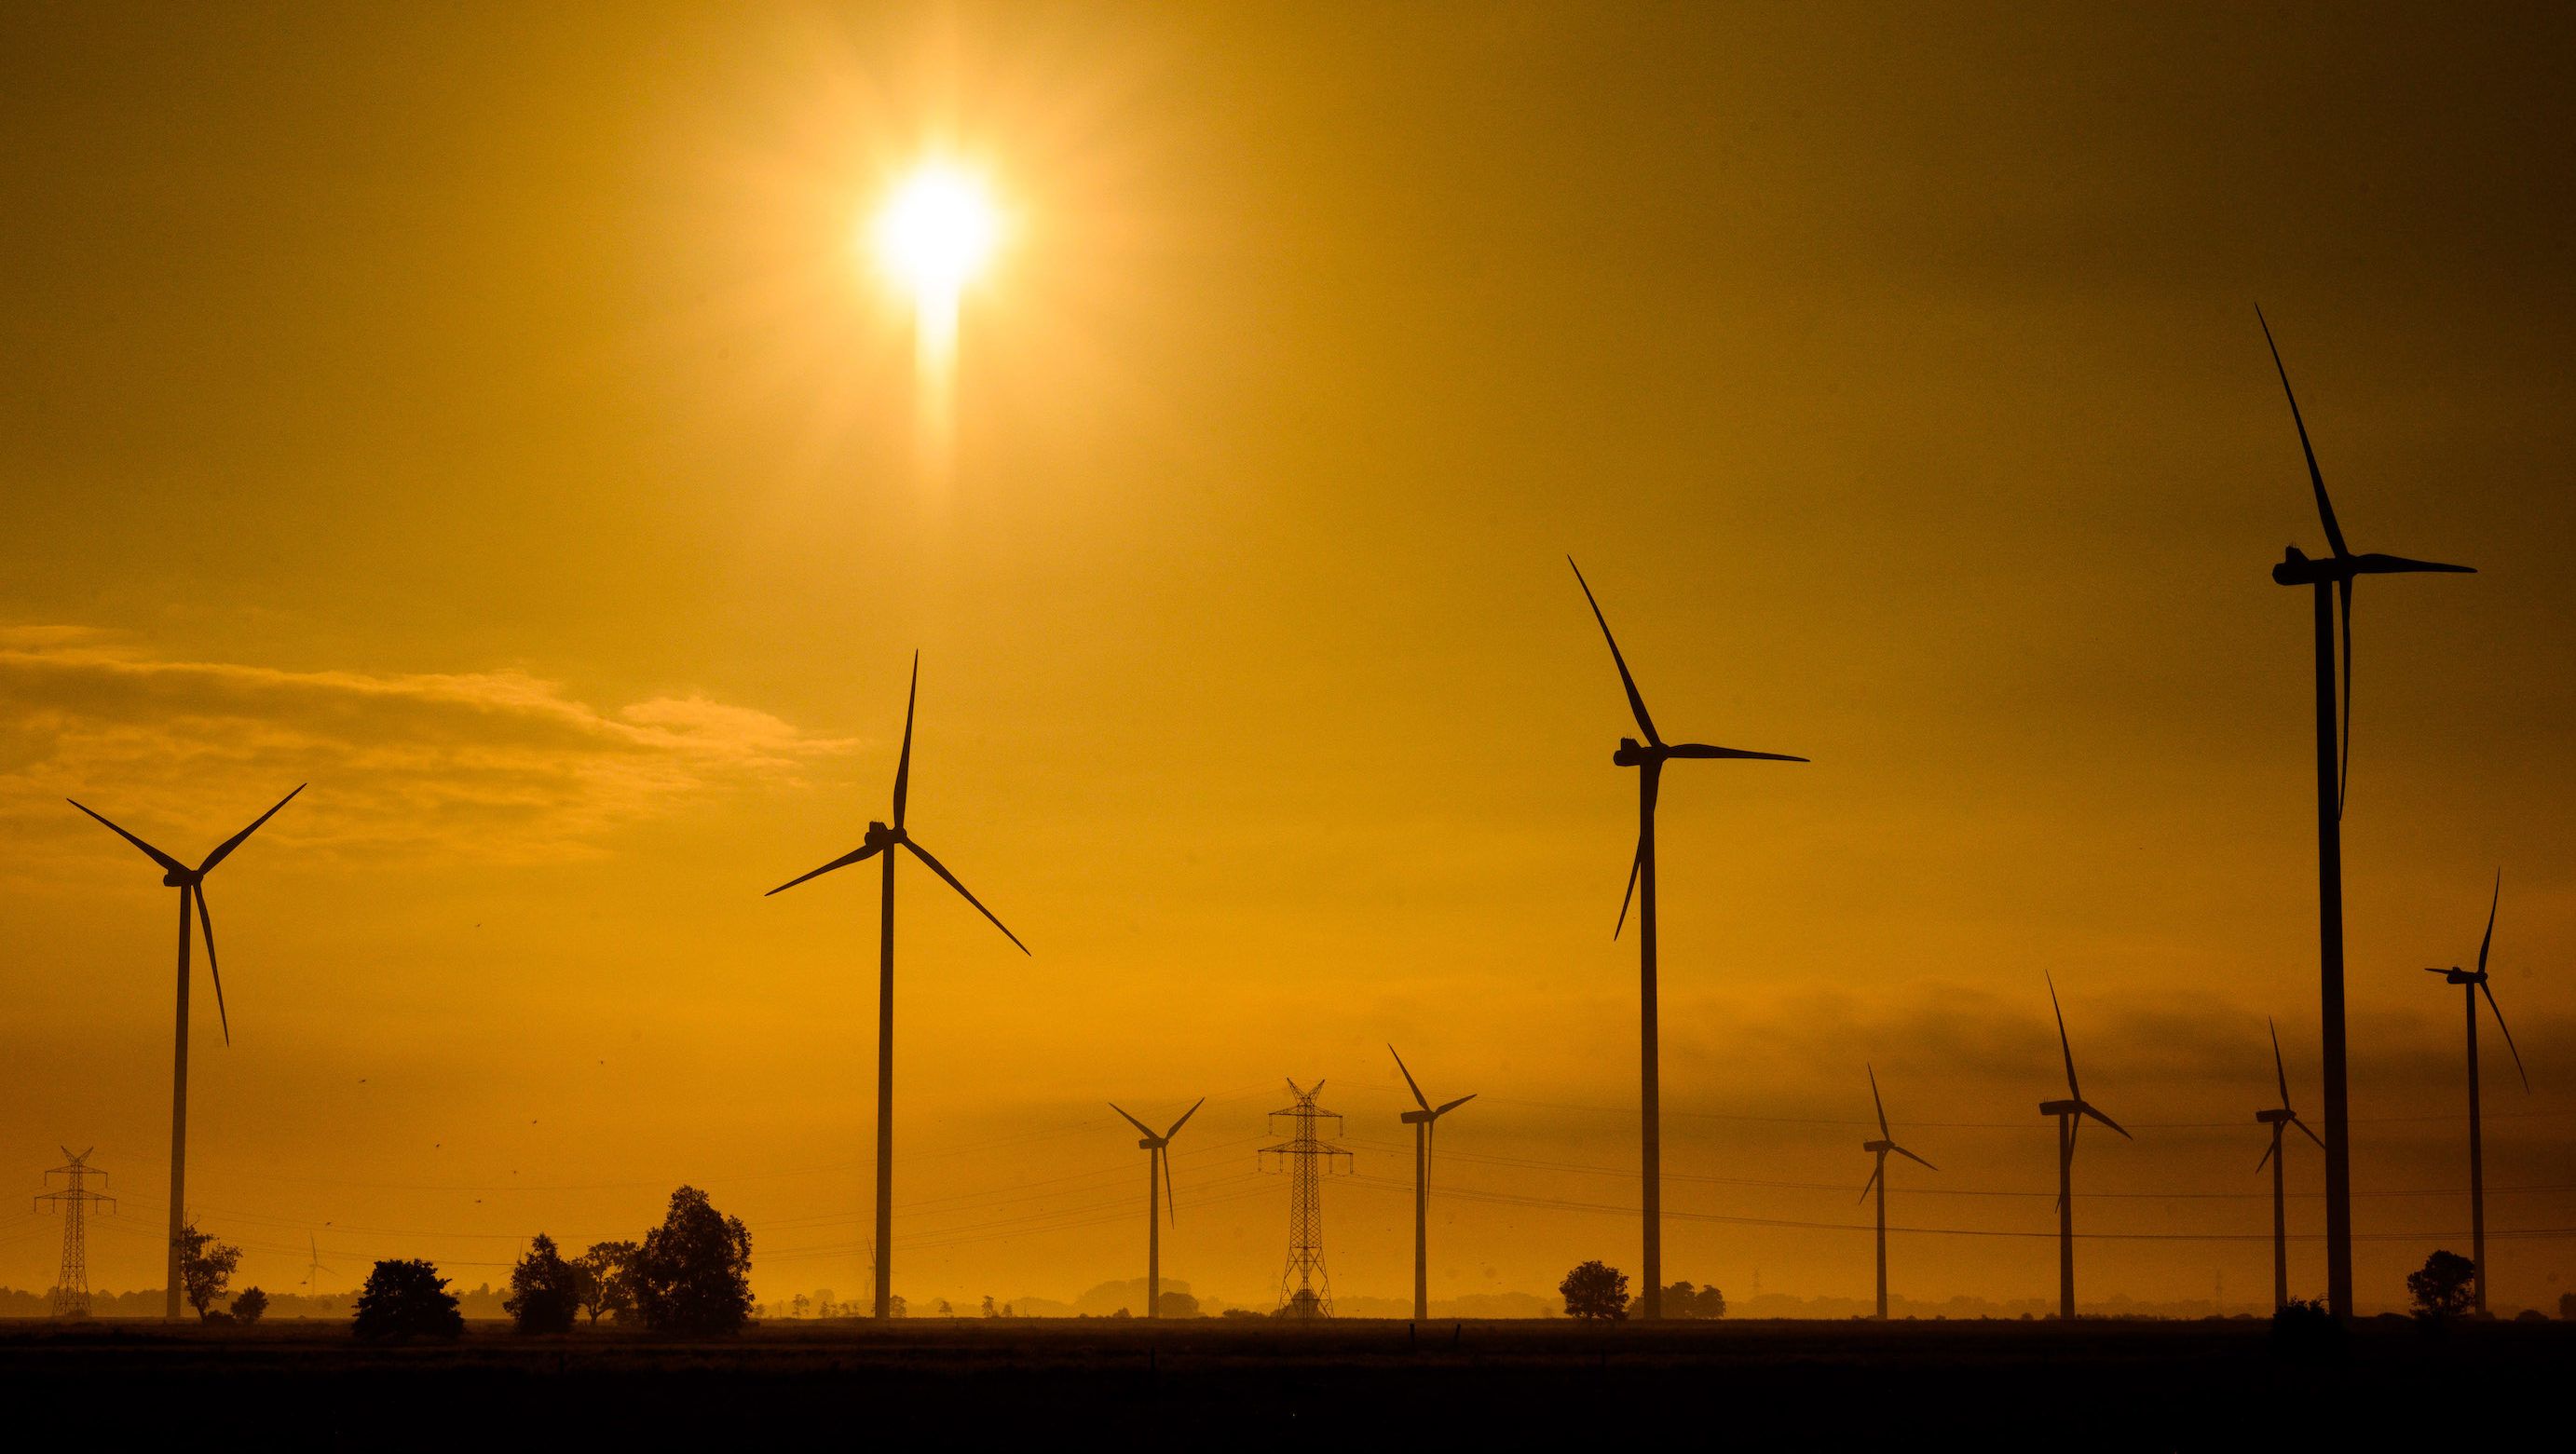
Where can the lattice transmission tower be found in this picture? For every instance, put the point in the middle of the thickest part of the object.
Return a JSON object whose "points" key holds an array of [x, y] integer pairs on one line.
{"points": [[71, 1285], [1305, 1289]]}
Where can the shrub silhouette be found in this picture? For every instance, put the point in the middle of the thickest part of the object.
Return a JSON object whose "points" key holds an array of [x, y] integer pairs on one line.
{"points": [[2443, 1288], [2305, 1328], [205, 1269], [1597, 1291], [249, 1307], [407, 1299], [545, 1290], [693, 1273]]}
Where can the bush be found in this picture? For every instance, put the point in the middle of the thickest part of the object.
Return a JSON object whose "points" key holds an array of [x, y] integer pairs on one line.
{"points": [[2305, 1328], [1681, 1300], [1597, 1291], [545, 1290], [693, 1273], [250, 1306], [407, 1299]]}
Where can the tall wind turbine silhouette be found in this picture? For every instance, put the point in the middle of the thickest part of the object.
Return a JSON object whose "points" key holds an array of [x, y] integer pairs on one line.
{"points": [[191, 884], [1422, 1122], [1648, 758], [2279, 1118], [2070, 1114], [1879, 1148], [2331, 582], [2473, 983], [1158, 1154], [881, 840]]}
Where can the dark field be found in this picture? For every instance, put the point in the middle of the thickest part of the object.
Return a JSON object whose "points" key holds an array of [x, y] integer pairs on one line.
{"points": [[2006, 1384]]}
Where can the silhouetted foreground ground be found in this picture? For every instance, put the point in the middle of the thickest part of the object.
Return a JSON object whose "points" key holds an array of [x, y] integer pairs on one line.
{"points": [[974, 1383]]}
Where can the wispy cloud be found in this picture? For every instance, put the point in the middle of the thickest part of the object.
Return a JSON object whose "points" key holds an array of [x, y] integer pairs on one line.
{"points": [[500, 763]]}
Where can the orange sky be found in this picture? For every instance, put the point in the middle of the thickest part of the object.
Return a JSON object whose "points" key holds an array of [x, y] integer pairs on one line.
{"points": [[481, 415]]}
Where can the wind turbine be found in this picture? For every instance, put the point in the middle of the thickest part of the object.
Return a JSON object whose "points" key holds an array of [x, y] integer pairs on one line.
{"points": [[2070, 1114], [191, 884], [2277, 1118], [314, 1268], [881, 840], [1885, 1143], [1649, 758], [2473, 983], [1422, 1122], [1158, 1153], [2332, 580]]}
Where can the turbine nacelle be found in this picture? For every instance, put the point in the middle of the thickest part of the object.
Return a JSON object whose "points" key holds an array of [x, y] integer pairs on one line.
{"points": [[181, 878], [2457, 975], [2297, 568], [1878, 1147], [880, 837], [2281, 1116], [1633, 753], [2063, 1108]]}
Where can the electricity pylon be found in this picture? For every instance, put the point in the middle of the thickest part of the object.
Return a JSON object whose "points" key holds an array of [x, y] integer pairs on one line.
{"points": [[71, 1285], [1305, 1289]]}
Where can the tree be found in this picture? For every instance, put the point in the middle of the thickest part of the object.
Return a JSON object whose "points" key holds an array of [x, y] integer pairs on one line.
{"points": [[945, 1310], [1681, 1300], [601, 1285], [2567, 1306], [250, 1305], [1303, 1303], [1595, 1290], [1177, 1305], [800, 1306], [205, 1268], [407, 1299], [693, 1273], [990, 1311], [545, 1290], [2444, 1287], [896, 1307]]}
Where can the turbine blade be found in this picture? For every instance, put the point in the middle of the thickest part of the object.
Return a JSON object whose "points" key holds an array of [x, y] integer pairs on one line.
{"points": [[1419, 1098], [1132, 1121], [1702, 749], [1883, 1133], [2316, 477], [2277, 1067], [206, 921], [1171, 1211], [2304, 1131], [1873, 1181], [2376, 564], [1636, 865], [1185, 1119], [2492, 901], [1439, 1111], [2268, 1148], [2343, 769], [2072, 1093], [156, 855], [229, 844], [2107, 1121], [938, 868], [1910, 1156], [903, 763], [1636, 703], [855, 855], [2482, 987]]}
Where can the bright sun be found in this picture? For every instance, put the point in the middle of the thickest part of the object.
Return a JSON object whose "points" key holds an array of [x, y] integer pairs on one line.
{"points": [[937, 232]]}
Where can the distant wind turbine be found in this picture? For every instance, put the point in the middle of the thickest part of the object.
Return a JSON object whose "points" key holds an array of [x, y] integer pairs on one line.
{"points": [[2277, 1118], [2332, 580], [2473, 983], [1158, 1154], [1649, 758], [191, 884], [314, 1268], [2070, 1114], [879, 840], [1423, 1122], [1885, 1143]]}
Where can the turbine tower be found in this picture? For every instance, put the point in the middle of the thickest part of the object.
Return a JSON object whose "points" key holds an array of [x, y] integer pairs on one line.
{"points": [[2331, 583], [2277, 1118], [882, 840], [2070, 1114], [1158, 1156], [191, 884], [71, 1284], [1879, 1148], [2473, 983], [1308, 1156], [1422, 1121], [1649, 758]]}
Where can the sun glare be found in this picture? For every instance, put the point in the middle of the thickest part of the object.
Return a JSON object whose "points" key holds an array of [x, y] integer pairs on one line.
{"points": [[933, 236]]}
